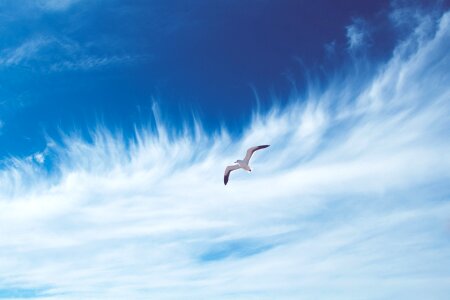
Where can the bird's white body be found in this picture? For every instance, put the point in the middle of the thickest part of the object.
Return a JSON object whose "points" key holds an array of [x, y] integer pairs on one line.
{"points": [[243, 165]]}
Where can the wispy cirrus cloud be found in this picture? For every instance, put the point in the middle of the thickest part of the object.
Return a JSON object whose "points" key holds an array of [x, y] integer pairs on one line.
{"points": [[351, 200], [358, 34], [23, 53], [56, 5], [40, 6], [52, 54], [91, 62]]}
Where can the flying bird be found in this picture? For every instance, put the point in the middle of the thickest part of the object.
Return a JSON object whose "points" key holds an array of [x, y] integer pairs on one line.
{"points": [[242, 164]]}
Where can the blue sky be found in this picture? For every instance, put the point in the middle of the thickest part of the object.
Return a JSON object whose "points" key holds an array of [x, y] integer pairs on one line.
{"points": [[69, 66], [117, 119]]}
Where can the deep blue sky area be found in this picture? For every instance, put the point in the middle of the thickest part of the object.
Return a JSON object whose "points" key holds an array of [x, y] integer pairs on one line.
{"points": [[71, 67]]}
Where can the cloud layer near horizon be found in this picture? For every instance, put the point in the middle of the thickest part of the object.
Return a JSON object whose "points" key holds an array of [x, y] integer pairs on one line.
{"points": [[351, 201]]}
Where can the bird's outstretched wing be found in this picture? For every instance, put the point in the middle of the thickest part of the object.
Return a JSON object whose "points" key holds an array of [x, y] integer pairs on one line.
{"points": [[228, 171], [251, 150]]}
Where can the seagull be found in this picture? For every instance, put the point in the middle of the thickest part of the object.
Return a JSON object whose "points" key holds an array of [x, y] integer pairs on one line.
{"points": [[242, 164]]}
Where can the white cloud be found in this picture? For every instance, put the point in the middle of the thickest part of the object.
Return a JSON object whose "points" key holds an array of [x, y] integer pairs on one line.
{"points": [[26, 51], [358, 34], [54, 54], [56, 5], [351, 201], [90, 62], [13, 10]]}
